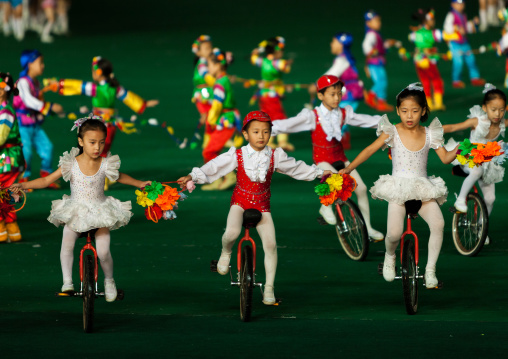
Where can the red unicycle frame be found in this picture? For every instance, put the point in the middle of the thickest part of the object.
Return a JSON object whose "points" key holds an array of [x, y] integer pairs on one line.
{"points": [[88, 246], [246, 238]]}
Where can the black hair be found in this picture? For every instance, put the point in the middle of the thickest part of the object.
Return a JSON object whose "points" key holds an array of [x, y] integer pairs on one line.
{"points": [[9, 80], [107, 71], [271, 45], [339, 85], [91, 125], [492, 95], [420, 98], [420, 15], [228, 56], [248, 125]]}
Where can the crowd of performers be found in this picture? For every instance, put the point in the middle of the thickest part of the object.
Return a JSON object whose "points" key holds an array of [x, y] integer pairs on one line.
{"points": [[336, 96]]}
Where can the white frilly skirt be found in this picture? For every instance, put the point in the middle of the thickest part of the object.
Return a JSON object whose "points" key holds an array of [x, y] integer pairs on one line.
{"points": [[400, 190], [84, 216]]}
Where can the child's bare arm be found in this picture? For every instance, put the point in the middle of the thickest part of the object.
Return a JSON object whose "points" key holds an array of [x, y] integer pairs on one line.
{"points": [[447, 156], [366, 153], [128, 180], [38, 183], [469, 123]]}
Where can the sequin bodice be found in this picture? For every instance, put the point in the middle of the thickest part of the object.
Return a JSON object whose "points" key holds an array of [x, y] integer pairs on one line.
{"points": [[88, 188], [249, 194], [409, 164]]}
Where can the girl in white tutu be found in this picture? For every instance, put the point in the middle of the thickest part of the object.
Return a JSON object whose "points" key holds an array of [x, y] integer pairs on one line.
{"points": [[410, 143], [487, 124], [87, 207]]}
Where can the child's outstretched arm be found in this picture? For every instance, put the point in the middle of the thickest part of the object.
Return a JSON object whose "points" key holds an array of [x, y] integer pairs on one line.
{"points": [[304, 121], [469, 123], [298, 170], [447, 156], [38, 183], [360, 120], [366, 153], [128, 180]]}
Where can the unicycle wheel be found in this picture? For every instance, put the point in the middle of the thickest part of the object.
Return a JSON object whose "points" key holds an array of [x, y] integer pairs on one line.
{"points": [[469, 230], [88, 293], [352, 232], [410, 277], [246, 283]]}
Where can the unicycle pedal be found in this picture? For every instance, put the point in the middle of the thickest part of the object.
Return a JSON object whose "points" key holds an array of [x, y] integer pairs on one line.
{"points": [[439, 285], [322, 221], [120, 294], [65, 294], [213, 265], [380, 268]]}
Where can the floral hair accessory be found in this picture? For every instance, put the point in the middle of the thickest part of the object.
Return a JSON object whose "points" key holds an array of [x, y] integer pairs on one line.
{"points": [[79, 122], [335, 186], [199, 41], [488, 87], [4, 85], [415, 86], [95, 65], [159, 200], [219, 55]]}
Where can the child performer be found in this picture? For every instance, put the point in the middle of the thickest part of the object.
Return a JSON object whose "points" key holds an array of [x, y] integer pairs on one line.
{"points": [[374, 49], [87, 208], [455, 29], [272, 89], [223, 116], [502, 48], [426, 57], [325, 123], [31, 110], [410, 143], [202, 96], [12, 161], [487, 124], [255, 163], [105, 90], [13, 8]]}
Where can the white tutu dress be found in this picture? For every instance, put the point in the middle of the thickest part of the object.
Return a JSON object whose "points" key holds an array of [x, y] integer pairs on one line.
{"points": [[87, 207], [409, 180], [492, 171]]}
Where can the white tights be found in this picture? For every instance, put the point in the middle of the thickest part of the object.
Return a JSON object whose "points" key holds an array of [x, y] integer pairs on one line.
{"points": [[102, 240], [266, 231], [431, 213], [488, 190], [361, 192]]}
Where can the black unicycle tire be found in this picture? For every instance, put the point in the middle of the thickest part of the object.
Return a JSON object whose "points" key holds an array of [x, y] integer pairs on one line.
{"points": [[88, 293], [246, 283], [469, 230], [409, 277], [355, 242]]}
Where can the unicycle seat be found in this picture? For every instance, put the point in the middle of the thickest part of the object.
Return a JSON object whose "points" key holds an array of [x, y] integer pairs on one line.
{"points": [[458, 171], [251, 218], [92, 233], [339, 165], [412, 207]]}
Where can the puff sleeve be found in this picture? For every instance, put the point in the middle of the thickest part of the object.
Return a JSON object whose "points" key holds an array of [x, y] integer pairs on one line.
{"points": [[66, 162], [384, 126], [436, 134], [112, 166]]}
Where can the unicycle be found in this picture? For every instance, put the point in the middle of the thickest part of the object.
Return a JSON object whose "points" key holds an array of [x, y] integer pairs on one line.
{"points": [[88, 273], [351, 229], [246, 265], [409, 261], [470, 229]]}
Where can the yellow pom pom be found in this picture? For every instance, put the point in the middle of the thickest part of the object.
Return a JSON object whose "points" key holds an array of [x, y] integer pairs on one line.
{"points": [[462, 160], [170, 130], [72, 116]]}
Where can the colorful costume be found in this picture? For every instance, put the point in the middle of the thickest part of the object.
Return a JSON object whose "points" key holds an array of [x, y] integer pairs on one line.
{"points": [[374, 50], [30, 110], [103, 96], [202, 96], [455, 29], [425, 59], [223, 117], [503, 49], [12, 162], [87, 207]]}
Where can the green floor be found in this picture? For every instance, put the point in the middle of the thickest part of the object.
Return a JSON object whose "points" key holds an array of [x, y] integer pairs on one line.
{"points": [[173, 304]]}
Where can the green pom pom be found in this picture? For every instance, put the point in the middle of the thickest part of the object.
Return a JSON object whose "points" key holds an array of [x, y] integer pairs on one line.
{"points": [[154, 190], [322, 189]]}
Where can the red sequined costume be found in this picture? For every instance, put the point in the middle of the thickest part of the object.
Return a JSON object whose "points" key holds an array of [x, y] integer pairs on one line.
{"points": [[248, 194], [324, 150]]}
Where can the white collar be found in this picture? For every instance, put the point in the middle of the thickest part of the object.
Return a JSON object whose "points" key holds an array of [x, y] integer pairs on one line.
{"points": [[331, 122], [251, 151], [260, 164]]}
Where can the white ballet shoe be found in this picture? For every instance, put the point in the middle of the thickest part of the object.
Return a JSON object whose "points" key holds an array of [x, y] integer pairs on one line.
{"points": [[389, 268], [327, 213], [431, 281], [268, 295], [460, 205], [487, 241], [110, 290], [67, 287], [376, 235], [223, 263]]}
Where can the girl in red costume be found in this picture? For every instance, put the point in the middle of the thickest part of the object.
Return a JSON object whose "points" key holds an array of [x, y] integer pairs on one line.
{"points": [[255, 163]]}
